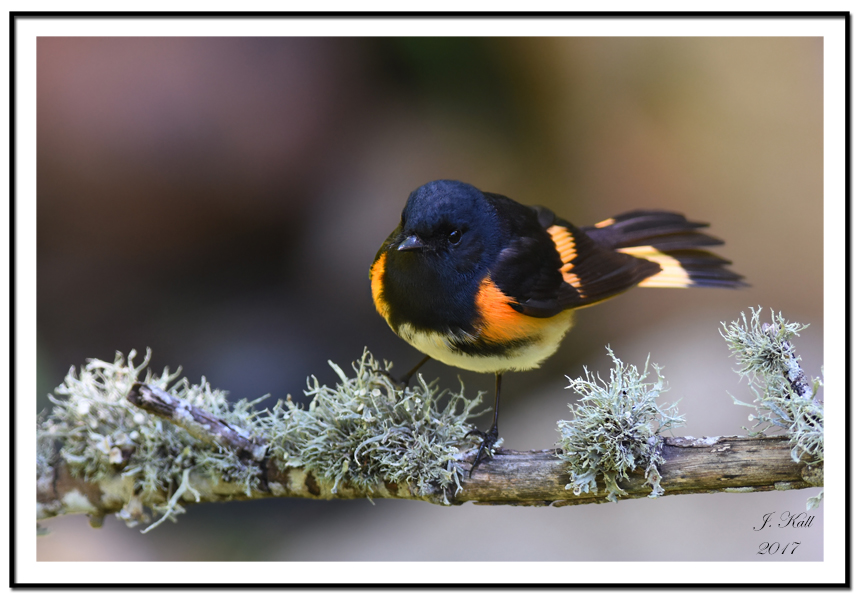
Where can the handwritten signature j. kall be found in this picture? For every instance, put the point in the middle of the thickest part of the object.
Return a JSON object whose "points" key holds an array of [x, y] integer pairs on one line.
{"points": [[787, 519]]}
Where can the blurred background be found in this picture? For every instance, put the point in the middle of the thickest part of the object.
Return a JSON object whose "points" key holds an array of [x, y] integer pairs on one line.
{"points": [[220, 201]]}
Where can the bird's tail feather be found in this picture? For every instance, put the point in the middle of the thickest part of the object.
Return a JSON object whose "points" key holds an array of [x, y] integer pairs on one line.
{"points": [[673, 242]]}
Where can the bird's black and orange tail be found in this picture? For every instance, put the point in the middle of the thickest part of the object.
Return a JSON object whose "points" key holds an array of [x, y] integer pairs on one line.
{"points": [[671, 241]]}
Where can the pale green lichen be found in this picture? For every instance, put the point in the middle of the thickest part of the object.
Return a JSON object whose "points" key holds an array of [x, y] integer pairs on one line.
{"points": [[783, 396], [363, 432], [616, 428], [813, 502]]}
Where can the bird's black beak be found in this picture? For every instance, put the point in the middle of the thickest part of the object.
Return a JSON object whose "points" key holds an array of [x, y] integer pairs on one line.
{"points": [[411, 243]]}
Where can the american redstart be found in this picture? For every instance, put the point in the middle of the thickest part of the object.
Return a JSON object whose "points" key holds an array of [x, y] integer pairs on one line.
{"points": [[481, 282]]}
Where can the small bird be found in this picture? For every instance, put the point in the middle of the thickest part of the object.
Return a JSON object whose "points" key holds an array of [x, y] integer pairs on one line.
{"points": [[480, 282]]}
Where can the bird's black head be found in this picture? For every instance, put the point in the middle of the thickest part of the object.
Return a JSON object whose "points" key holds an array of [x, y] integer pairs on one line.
{"points": [[449, 225], [447, 240]]}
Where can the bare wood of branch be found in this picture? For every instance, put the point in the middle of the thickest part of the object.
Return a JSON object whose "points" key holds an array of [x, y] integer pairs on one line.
{"points": [[199, 423]]}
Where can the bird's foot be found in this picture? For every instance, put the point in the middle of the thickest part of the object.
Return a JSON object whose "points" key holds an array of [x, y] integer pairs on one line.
{"points": [[488, 441]]}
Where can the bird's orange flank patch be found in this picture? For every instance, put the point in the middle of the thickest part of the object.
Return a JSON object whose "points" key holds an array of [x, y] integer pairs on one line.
{"points": [[502, 323]]}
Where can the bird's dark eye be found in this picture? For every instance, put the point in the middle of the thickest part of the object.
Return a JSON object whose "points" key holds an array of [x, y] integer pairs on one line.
{"points": [[454, 237]]}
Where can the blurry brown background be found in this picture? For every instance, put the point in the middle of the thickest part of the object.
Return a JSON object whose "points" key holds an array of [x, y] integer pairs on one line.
{"points": [[220, 200]]}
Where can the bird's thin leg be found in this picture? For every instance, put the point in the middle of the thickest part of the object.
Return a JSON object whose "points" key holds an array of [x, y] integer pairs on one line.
{"points": [[403, 381], [490, 436]]}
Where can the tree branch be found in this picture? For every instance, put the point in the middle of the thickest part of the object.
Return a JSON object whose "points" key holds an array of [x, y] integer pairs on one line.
{"points": [[199, 423], [115, 444], [525, 478]]}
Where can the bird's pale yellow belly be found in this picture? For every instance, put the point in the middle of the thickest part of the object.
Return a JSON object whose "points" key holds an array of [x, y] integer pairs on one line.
{"points": [[528, 355]]}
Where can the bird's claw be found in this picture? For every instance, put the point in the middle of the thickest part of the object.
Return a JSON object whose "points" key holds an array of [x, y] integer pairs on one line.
{"points": [[488, 441]]}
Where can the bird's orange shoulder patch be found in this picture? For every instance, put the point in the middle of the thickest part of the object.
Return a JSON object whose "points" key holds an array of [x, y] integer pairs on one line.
{"points": [[377, 270], [565, 245]]}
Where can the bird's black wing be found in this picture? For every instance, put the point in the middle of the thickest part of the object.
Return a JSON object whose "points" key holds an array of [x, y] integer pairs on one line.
{"points": [[548, 265]]}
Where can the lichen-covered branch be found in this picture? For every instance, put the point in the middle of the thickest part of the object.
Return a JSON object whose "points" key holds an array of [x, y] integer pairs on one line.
{"points": [[784, 397], [158, 442], [124, 440], [527, 478]]}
